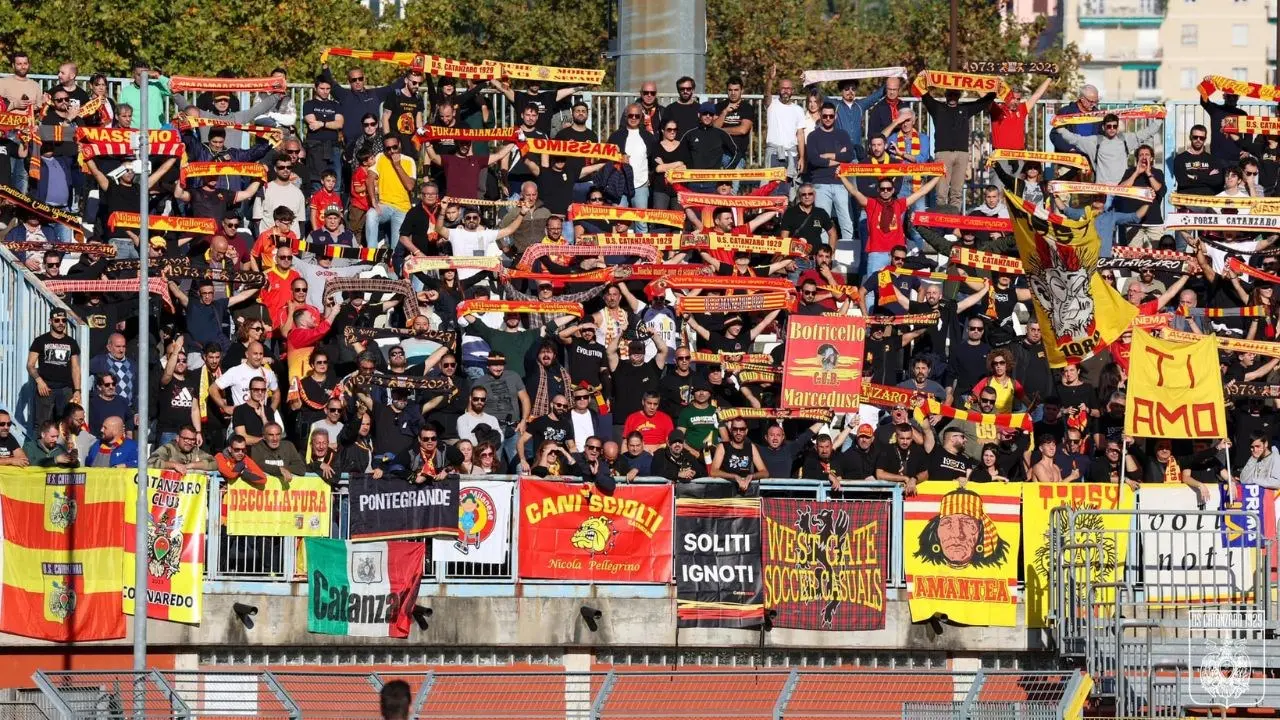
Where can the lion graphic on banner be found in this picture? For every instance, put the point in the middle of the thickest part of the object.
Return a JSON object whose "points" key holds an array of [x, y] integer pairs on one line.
{"points": [[831, 527], [962, 534]]}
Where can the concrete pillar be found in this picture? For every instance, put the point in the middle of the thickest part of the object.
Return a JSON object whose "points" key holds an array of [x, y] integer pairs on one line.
{"points": [[661, 40], [578, 696]]}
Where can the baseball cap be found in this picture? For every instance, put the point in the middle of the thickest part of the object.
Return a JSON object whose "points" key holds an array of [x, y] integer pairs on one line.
{"points": [[732, 320], [675, 436], [707, 108], [865, 430], [496, 357], [333, 210]]}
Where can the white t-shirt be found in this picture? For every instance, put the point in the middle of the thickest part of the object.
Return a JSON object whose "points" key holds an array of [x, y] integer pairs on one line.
{"points": [[238, 378], [473, 243], [784, 120], [638, 154], [289, 195], [583, 428]]}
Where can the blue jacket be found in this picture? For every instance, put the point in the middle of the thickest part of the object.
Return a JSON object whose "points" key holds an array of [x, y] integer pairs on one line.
{"points": [[124, 455], [1060, 143], [849, 117]]}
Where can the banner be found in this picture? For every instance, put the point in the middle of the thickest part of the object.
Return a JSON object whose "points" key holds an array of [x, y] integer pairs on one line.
{"points": [[813, 77], [1074, 160], [1175, 389], [1258, 204], [1079, 311], [163, 223], [1109, 532], [227, 169], [383, 511], [483, 532], [976, 223], [1188, 559], [1250, 125], [178, 509], [1064, 187], [758, 174], [890, 169], [825, 563], [981, 260], [1143, 112], [362, 589], [270, 84], [1213, 83], [63, 546], [302, 510], [1256, 521], [554, 307], [45, 211], [439, 132], [823, 366], [568, 531], [719, 577], [777, 203], [961, 552]]}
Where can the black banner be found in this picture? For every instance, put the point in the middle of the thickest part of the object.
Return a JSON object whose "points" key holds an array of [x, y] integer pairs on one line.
{"points": [[718, 563], [390, 509], [1251, 390], [1147, 263]]}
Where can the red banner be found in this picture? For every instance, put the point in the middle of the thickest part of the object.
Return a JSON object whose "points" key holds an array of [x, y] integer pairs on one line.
{"points": [[569, 531], [823, 367], [825, 563]]}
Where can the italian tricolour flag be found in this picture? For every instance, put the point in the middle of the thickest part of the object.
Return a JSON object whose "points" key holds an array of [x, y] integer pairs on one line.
{"points": [[365, 589]]}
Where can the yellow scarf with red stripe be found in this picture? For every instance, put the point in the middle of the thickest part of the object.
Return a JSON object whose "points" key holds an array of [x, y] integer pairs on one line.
{"points": [[908, 145]]}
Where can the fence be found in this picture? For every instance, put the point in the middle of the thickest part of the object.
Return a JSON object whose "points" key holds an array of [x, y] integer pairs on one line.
{"points": [[737, 695], [25, 306], [275, 559]]}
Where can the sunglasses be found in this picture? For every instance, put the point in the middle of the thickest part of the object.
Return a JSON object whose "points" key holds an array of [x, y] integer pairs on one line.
{"points": [[355, 78], [685, 88], [262, 389], [187, 438], [594, 447], [648, 92], [393, 147], [1199, 137], [670, 129], [807, 194], [827, 116], [300, 289], [478, 399], [107, 384], [370, 124], [427, 438], [975, 329], [635, 116], [737, 429], [887, 189], [581, 397], [334, 409], [560, 405], [1111, 126], [487, 453], [449, 365]]}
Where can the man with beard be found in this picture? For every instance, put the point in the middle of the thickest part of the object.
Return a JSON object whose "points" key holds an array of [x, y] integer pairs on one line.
{"points": [[11, 453], [859, 461], [738, 459], [633, 378], [684, 111], [698, 420], [1196, 170], [823, 463], [674, 461], [1031, 367], [805, 220], [903, 461], [586, 357], [553, 426], [547, 379], [945, 461], [919, 382]]}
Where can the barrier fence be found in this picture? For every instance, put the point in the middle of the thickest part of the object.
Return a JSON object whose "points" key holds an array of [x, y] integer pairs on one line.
{"points": [[709, 695]]}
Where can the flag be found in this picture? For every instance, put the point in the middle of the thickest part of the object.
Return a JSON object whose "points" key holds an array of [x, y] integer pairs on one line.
{"points": [[178, 506], [63, 544], [1078, 310], [1175, 389], [362, 589]]}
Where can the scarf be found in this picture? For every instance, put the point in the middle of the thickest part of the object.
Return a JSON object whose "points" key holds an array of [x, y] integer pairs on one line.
{"points": [[1063, 187], [1242, 268], [761, 175], [350, 286], [725, 415], [177, 268], [480, 203], [523, 307], [203, 399], [908, 145], [813, 77], [155, 285], [1259, 205], [1127, 251], [1011, 421], [908, 319], [757, 244], [273, 84], [89, 248], [430, 133], [777, 203], [1258, 347], [1152, 322], [1074, 160], [991, 262], [164, 223], [886, 396], [1213, 83], [453, 262], [890, 169], [571, 148], [976, 223], [273, 135], [1157, 264], [534, 253], [426, 64], [52, 214], [756, 377], [1250, 125], [885, 276], [960, 81], [351, 335], [1251, 311], [435, 385], [1223, 223], [96, 106], [1144, 112], [1226, 247], [653, 271], [547, 73], [762, 359], [225, 169], [584, 211], [97, 141], [344, 252], [1252, 390], [758, 302], [594, 277], [719, 282]]}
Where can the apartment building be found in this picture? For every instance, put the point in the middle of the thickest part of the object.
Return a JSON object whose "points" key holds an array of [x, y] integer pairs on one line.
{"points": [[1155, 50]]}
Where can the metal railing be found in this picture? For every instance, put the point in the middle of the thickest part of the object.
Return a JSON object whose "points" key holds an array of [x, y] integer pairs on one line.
{"points": [[275, 559], [604, 695], [25, 306]]}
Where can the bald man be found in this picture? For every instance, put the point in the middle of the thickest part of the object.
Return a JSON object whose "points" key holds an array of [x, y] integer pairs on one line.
{"points": [[1087, 101], [534, 227], [113, 449]]}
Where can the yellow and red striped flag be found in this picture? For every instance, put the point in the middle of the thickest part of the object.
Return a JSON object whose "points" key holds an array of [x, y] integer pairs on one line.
{"points": [[63, 548]]}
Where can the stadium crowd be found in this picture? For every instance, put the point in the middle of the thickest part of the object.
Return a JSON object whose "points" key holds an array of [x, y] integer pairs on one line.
{"points": [[286, 342]]}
